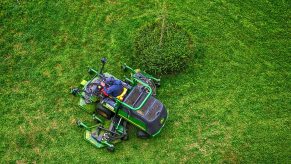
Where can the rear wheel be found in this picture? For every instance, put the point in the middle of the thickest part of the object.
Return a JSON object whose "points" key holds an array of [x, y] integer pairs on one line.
{"points": [[125, 134], [104, 112], [142, 134]]}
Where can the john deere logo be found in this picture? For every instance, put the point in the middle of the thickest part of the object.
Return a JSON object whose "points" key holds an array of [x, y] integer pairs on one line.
{"points": [[162, 120]]}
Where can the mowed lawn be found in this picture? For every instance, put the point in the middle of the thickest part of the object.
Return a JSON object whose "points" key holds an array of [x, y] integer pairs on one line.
{"points": [[232, 104]]}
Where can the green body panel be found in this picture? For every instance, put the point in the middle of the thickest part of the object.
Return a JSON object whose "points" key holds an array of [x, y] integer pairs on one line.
{"points": [[132, 120], [87, 107], [90, 139], [124, 115]]}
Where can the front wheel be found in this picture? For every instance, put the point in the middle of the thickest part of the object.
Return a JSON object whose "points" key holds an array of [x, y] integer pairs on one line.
{"points": [[75, 91], [111, 148]]}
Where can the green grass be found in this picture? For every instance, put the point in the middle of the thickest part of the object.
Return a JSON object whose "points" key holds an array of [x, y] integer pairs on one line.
{"points": [[231, 105]]}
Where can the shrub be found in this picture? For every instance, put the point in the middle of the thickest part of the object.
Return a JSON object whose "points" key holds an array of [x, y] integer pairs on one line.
{"points": [[162, 48]]}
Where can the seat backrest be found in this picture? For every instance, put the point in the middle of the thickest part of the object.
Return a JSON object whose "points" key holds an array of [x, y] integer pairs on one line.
{"points": [[121, 96]]}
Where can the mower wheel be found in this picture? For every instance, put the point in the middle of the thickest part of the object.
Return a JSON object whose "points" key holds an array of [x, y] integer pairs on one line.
{"points": [[111, 148], [143, 135], [74, 91], [124, 138], [104, 112], [158, 84], [124, 68], [90, 71], [78, 122]]}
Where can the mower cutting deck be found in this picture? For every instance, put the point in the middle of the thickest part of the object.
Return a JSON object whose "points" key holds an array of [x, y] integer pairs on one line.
{"points": [[135, 105]]}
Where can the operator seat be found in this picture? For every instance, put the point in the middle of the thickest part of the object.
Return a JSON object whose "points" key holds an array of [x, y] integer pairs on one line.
{"points": [[122, 95]]}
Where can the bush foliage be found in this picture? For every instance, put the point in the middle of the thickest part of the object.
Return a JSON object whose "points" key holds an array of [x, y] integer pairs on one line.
{"points": [[162, 48]]}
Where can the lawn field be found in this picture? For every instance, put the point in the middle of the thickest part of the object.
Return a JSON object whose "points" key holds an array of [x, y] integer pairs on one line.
{"points": [[231, 105]]}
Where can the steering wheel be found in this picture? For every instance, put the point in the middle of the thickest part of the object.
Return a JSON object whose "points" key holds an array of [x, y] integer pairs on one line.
{"points": [[92, 89]]}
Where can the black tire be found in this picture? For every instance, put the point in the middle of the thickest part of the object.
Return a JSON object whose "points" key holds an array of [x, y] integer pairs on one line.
{"points": [[90, 71], [104, 112], [78, 122], [151, 84], [158, 84], [143, 135], [111, 149], [125, 137], [74, 91]]}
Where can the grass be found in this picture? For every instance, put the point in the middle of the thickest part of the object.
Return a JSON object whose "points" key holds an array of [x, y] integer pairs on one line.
{"points": [[230, 106]]}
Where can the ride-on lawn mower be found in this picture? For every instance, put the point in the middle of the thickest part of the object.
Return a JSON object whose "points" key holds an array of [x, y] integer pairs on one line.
{"points": [[136, 105]]}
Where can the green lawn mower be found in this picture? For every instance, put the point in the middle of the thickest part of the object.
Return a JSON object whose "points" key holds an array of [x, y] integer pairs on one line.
{"points": [[136, 105]]}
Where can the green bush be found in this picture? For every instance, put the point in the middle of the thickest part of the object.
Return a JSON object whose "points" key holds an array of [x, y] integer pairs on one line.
{"points": [[162, 48]]}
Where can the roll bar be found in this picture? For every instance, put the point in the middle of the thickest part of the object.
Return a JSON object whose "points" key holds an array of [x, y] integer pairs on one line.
{"points": [[143, 102]]}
